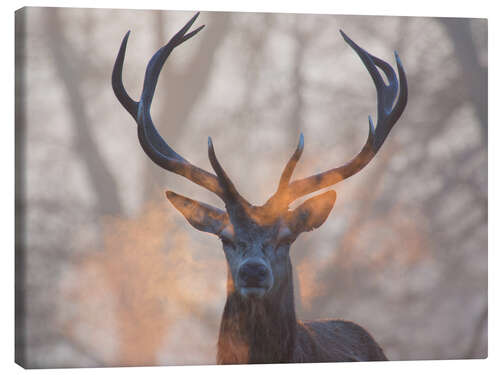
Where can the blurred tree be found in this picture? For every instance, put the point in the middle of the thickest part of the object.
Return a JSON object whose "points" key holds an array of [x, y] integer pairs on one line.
{"points": [[71, 68], [475, 74]]}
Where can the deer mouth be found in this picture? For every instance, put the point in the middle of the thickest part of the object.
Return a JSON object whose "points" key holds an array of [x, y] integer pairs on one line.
{"points": [[253, 291]]}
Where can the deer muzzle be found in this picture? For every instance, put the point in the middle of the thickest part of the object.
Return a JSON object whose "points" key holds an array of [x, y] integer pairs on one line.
{"points": [[254, 278]]}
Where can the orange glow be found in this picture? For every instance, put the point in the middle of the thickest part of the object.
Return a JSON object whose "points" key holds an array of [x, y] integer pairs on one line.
{"points": [[135, 288], [309, 286]]}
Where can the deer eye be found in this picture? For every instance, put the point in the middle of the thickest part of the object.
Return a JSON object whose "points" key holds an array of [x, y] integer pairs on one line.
{"points": [[285, 241], [227, 234], [285, 236]]}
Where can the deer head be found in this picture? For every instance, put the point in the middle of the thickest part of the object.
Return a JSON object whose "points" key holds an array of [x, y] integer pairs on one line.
{"points": [[256, 239]]}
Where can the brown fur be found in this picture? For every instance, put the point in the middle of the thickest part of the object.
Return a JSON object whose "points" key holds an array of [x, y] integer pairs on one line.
{"points": [[266, 331]]}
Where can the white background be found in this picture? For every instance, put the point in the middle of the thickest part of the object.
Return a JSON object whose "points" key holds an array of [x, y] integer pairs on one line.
{"points": [[477, 8]]}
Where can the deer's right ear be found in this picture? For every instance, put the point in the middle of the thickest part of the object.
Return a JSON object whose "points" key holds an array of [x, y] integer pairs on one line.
{"points": [[202, 216], [312, 213]]}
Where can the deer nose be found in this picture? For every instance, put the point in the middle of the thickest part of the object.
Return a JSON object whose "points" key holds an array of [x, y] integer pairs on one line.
{"points": [[253, 274]]}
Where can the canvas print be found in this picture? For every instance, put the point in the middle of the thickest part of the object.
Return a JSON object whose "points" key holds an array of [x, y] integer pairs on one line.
{"points": [[249, 188]]}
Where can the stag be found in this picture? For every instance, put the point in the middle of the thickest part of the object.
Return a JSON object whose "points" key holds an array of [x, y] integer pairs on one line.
{"points": [[259, 323]]}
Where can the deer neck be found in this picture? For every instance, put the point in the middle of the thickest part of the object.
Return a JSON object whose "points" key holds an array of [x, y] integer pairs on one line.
{"points": [[258, 330]]}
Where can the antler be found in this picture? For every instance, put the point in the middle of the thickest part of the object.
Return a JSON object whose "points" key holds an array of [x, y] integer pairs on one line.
{"points": [[387, 115], [151, 141], [163, 155]]}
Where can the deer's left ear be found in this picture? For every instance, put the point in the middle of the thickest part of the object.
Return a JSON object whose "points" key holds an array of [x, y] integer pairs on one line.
{"points": [[312, 213], [202, 216]]}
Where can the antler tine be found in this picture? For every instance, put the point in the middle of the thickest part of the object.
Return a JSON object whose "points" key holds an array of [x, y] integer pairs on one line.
{"points": [[158, 60], [231, 194], [398, 109], [387, 115], [286, 175], [151, 141], [117, 81], [386, 94], [278, 198]]}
